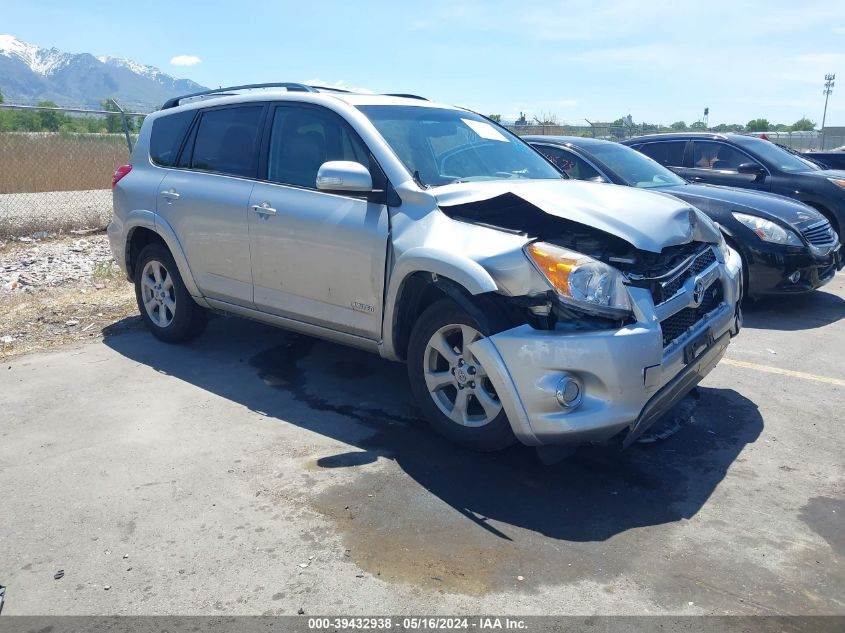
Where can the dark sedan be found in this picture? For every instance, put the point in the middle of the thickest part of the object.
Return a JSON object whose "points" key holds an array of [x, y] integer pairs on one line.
{"points": [[736, 160], [831, 159], [786, 246]]}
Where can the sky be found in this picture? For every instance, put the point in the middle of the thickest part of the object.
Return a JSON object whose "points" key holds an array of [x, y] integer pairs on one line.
{"points": [[657, 61]]}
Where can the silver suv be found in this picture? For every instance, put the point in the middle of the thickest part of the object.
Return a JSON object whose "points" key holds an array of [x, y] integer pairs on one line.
{"points": [[525, 305]]}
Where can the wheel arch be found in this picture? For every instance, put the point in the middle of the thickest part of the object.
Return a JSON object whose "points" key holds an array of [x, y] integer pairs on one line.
{"points": [[420, 277], [143, 233]]}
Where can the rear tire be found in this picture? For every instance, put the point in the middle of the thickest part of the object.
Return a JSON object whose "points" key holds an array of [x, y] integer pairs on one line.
{"points": [[167, 308], [449, 383]]}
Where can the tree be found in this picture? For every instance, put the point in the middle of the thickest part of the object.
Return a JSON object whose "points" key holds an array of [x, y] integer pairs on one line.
{"points": [[495, 117], [679, 126], [1, 96], [546, 118], [49, 121], [114, 122], [698, 126], [803, 125], [758, 125]]}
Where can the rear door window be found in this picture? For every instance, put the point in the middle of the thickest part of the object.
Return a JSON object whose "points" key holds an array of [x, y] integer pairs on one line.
{"points": [[167, 135], [667, 153], [569, 163], [227, 141]]}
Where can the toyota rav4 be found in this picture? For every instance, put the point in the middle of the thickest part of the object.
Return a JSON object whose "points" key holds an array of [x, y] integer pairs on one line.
{"points": [[526, 306]]}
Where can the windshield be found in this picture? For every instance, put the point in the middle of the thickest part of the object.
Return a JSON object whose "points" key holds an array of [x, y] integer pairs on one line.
{"points": [[635, 169], [439, 146], [779, 157]]}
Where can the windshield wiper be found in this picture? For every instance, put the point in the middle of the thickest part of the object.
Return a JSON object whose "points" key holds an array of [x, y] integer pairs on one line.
{"points": [[419, 180]]}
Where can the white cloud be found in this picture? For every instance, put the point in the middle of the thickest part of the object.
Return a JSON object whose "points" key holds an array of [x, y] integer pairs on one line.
{"points": [[340, 84], [185, 60]]}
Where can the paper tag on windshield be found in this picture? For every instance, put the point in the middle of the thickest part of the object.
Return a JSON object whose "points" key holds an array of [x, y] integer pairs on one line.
{"points": [[485, 130]]}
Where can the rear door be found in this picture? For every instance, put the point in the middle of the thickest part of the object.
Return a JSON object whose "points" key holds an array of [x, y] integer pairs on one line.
{"points": [[715, 163], [205, 198], [670, 154], [317, 257]]}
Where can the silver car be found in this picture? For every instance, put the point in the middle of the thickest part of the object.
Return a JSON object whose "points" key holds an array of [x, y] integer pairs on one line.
{"points": [[526, 306]]}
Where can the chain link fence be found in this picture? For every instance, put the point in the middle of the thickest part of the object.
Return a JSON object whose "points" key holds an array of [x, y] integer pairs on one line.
{"points": [[58, 180]]}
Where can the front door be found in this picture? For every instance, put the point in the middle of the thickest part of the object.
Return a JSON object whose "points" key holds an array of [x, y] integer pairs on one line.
{"points": [[716, 163], [317, 257]]}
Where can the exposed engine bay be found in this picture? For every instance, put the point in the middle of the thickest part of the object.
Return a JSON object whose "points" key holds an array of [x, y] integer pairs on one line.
{"points": [[510, 212]]}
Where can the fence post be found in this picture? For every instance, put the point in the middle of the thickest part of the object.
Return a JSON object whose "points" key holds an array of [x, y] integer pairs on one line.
{"points": [[125, 125]]}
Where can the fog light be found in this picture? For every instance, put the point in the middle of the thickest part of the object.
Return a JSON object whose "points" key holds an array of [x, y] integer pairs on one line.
{"points": [[794, 277], [568, 392]]}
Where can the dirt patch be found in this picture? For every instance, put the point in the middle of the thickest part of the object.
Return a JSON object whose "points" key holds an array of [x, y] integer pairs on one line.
{"points": [[58, 291]]}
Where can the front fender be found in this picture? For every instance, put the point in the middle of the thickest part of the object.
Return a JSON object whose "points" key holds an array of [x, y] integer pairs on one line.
{"points": [[467, 273]]}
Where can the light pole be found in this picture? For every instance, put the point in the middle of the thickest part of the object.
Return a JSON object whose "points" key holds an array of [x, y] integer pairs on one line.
{"points": [[828, 89]]}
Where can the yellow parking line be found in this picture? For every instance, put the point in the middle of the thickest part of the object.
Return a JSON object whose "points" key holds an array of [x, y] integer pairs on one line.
{"points": [[784, 372]]}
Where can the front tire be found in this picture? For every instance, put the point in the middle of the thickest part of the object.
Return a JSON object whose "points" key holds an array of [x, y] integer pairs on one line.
{"points": [[450, 384], [167, 308]]}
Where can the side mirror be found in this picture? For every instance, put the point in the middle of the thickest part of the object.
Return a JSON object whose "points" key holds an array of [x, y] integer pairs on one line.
{"points": [[344, 175], [752, 169]]}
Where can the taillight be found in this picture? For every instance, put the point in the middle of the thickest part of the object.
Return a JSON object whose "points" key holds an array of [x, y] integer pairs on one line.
{"points": [[119, 173]]}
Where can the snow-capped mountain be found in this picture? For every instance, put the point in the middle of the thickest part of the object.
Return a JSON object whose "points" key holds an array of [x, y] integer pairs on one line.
{"points": [[29, 74]]}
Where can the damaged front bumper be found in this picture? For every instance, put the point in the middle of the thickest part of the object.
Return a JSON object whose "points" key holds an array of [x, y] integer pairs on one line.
{"points": [[628, 377]]}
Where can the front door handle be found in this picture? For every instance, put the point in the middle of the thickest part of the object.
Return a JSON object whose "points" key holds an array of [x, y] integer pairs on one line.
{"points": [[170, 194], [263, 209]]}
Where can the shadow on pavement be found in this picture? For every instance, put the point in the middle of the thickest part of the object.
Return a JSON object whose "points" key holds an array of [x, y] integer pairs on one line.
{"points": [[796, 312], [357, 398]]}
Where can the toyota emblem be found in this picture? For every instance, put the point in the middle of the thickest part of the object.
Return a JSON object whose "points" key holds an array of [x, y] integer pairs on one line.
{"points": [[698, 292]]}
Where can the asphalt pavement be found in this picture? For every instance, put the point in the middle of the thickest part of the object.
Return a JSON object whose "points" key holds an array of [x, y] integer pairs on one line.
{"points": [[258, 472]]}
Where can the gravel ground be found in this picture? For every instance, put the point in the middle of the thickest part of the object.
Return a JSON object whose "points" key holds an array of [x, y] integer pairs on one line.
{"points": [[53, 291], [30, 263], [57, 211]]}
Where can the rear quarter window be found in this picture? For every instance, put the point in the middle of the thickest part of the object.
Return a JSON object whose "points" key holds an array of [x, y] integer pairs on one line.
{"points": [[167, 135]]}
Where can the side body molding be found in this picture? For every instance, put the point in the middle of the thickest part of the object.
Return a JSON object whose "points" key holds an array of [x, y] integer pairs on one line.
{"points": [[460, 269]]}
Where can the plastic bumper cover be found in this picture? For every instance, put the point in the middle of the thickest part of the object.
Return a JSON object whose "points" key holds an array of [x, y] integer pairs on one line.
{"points": [[627, 377]]}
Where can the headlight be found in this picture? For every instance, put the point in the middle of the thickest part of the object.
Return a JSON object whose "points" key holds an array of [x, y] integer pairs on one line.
{"points": [[581, 281], [769, 231], [837, 181]]}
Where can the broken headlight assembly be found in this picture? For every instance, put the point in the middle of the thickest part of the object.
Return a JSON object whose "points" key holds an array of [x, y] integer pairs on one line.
{"points": [[581, 281]]}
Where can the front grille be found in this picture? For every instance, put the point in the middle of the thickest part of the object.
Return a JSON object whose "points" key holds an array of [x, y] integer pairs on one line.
{"points": [[820, 234], [675, 325], [665, 291]]}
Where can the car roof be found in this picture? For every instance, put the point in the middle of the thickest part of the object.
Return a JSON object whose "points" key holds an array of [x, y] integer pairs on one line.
{"points": [[691, 136], [578, 141], [300, 92]]}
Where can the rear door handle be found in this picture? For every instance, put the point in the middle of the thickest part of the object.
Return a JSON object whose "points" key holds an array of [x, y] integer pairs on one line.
{"points": [[263, 209], [170, 194]]}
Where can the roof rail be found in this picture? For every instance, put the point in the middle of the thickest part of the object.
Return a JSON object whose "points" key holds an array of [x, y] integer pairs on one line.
{"points": [[293, 87], [331, 89], [405, 96]]}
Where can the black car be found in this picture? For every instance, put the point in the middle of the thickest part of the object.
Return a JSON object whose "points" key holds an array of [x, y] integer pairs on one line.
{"points": [[736, 160], [785, 246], [830, 159]]}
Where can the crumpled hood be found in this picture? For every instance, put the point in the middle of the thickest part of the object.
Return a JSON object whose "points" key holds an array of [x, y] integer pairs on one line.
{"points": [[768, 205], [647, 220]]}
